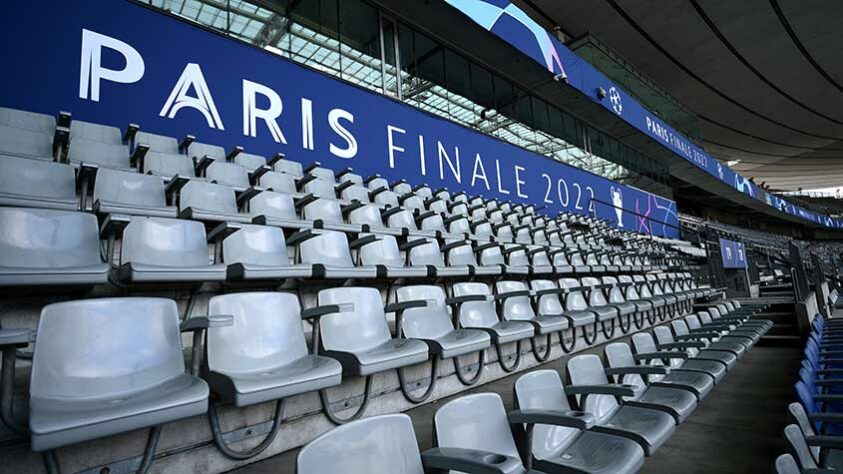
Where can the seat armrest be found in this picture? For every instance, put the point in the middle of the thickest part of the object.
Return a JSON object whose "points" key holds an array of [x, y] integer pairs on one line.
{"points": [[399, 307], [613, 389], [638, 370], [357, 243], [825, 441], [681, 345], [223, 230], [319, 311], [198, 323], [11, 339], [412, 243], [233, 153], [392, 210], [453, 219], [256, 174], [353, 206], [571, 419], [275, 159], [513, 294], [508, 250], [186, 142], [64, 118], [648, 356], [469, 460], [377, 191], [301, 236], [175, 185], [453, 245], [486, 246], [247, 194], [201, 164], [312, 166], [458, 300], [423, 215], [136, 160], [131, 130], [343, 186], [697, 335], [61, 138], [113, 225], [305, 200]]}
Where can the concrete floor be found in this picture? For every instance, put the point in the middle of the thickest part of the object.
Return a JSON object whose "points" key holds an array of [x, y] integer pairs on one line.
{"points": [[736, 429]]}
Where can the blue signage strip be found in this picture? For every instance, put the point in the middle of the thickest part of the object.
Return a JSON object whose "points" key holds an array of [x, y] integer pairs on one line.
{"points": [[114, 62], [511, 24], [733, 254]]}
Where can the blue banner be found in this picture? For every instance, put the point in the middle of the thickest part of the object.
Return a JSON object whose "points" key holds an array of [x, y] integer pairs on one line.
{"points": [[733, 254], [117, 62], [511, 24]]}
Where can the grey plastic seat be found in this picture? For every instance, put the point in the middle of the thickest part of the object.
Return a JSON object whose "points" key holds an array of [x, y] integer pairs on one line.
{"points": [[746, 337], [474, 307], [576, 307], [33, 183], [201, 201], [369, 218], [275, 209], [598, 304], [461, 253], [199, 151], [517, 305], [694, 348], [425, 251], [120, 192], [830, 453], [25, 143], [352, 328], [491, 254], [278, 365], [327, 253], [254, 252], [325, 213], [802, 450], [565, 448], [49, 247], [673, 400], [649, 428], [382, 252], [250, 161], [353, 192], [167, 165], [548, 303], [422, 313], [166, 250], [697, 375], [25, 120], [157, 143], [82, 389], [383, 444], [319, 187], [278, 182], [103, 155], [292, 168], [80, 130], [227, 174]]}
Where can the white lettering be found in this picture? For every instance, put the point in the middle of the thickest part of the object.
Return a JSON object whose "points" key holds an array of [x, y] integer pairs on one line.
{"points": [[91, 71], [444, 154], [478, 165], [306, 124], [334, 117], [251, 113], [203, 102], [392, 147]]}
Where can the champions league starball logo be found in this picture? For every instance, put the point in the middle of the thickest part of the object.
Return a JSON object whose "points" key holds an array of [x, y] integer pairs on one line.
{"points": [[615, 99], [617, 200]]}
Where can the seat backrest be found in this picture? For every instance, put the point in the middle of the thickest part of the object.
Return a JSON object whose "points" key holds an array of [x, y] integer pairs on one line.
{"points": [[428, 322], [321, 188], [799, 447], [575, 300], [543, 390], [327, 248], [211, 197], [427, 254], [159, 143], [476, 421], [325, 209], [785, 464], [692, 322], [44, 238], [131, 189], [705, 317], [413, 202], [401, 188], [22, 119], [680, 327], [797, 412], [249, 161], [278, 182], [384, 444], [491, 255], [167, 165], [164, 242], [596, 297], [550, 304], [518, 308], [631, 291], [256, 245], [325, 174], [103, 347], [387, 199], [517, 255], [355, 192], [587, 369], [266, 333], [21, 177], [228, 174], [200, 150], [383, 251], [95, 132], [21, 142], [461, 255], [273, 204], [439, 206], [618, 354], [360, 325], [292, 168], [402, 219], [368, 214], [476, 313], [105, 155]]}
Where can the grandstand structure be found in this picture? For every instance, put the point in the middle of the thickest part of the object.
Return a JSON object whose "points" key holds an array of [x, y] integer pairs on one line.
{"points": [[367, 236]]}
